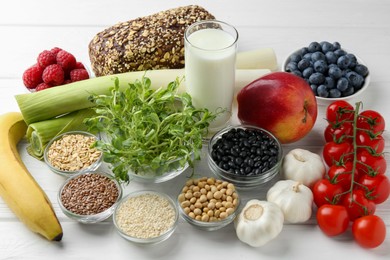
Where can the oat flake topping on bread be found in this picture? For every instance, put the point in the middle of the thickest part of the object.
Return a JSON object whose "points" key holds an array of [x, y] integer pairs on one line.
{"points": [[151, 42]]}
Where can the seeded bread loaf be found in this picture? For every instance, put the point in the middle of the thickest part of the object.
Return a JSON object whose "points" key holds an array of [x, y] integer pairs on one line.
{"points": [[151, 42]]}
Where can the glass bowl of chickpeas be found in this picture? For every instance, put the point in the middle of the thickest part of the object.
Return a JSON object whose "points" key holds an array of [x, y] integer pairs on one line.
{"points": [[208, 203]]}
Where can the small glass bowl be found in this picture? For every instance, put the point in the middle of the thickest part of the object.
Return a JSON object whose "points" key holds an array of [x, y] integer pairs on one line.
{"points": [[64, 173], [159, 175], [212, 225], [94, 218], [152, 240], [322, 101], [244, 182]]}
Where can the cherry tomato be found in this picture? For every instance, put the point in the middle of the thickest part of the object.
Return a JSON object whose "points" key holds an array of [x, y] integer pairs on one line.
{"points": [[370, 164], [337, 131], [370, 141], [333, 152], [333, 220], [377, 188], [369, 231], [371, 120], [357, 204], [339, 111], [342, 174], [324, 192]]}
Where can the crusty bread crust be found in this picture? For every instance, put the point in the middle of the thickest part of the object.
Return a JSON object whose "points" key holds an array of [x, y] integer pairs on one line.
{"points": [[151, 42]]}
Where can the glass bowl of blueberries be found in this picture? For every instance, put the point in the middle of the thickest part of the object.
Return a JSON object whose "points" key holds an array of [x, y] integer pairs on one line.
{"points": [[247, 156], [332, 72]]}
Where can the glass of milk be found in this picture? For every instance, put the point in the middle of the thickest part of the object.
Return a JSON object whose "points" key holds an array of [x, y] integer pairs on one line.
{"points": [[210, 57]]}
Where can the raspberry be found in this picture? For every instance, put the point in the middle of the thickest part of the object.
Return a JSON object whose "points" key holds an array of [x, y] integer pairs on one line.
{"points": [[53, 75], [55, 50], [42, 86], [79, 65], [66, 60], [78, 74], [32, 76], [46, 58]]}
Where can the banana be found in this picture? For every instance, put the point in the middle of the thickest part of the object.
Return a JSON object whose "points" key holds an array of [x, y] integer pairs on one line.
{"points": [[18, 188]]}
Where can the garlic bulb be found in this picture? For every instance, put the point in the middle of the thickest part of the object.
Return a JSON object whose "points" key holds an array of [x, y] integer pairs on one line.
{"points": [[259, 222], [303, 166], [294, 199]]}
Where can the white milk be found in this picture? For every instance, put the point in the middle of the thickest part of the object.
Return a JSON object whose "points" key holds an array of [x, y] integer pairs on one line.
{"points": [[210, 56]]}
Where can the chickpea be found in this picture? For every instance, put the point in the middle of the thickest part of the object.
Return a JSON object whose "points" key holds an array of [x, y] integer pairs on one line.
{"points": [[218, 204], [192, 200], [191, 215], [197, 211], [210, 195], [223, 215], [187, 210], [205, 218], [211, 205], [198, 205], [181, 198], [210, 181], [188, 195], [203, 191], [197, 194], [202, 198], [217, 195], [185, 204], [195, 189], [230, 211], [229, 192], [198, 218], [189, 182]]}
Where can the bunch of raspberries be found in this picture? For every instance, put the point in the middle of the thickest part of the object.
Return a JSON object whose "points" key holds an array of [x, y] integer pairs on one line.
{"points": [[53, 68]]}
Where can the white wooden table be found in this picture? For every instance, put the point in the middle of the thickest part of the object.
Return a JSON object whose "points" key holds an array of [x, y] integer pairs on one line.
{"points": [[28, 27]]}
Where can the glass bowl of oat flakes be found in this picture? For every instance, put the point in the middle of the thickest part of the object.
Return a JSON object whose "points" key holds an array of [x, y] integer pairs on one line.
{"points": [[72, 152]]}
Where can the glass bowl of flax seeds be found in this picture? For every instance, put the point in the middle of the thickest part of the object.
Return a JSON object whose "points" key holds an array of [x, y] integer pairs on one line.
{"points": [[89, 197]]}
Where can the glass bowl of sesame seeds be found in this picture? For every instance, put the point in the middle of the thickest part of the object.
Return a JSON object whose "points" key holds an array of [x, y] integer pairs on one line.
{"points": [[146, 217], [89, 197], [72, 152]]}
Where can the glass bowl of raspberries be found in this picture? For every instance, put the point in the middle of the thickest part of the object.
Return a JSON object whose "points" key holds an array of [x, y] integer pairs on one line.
{"points": [[332, 72], [53, 68]]}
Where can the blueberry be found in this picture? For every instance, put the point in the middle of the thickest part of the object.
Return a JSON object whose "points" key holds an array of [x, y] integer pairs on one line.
{"points": [[320, 66], [307, 56], [297, 72], [303, 51], [317, 78], [343, 62], [336, 45], [314, 47], [322, 91], [317, 56], [342, 84], [335, 72], [355, 79], [303, 64], [334, 93], [291, 66], [307, 72], [326, 46], [349, 91], [331, 57], [353, 60], [329, 82], [340, 52], [361, 69], [295, 57]]}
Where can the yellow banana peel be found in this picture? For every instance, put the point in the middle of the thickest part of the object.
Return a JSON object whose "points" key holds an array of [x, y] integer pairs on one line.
{"points": [[18, 188]]}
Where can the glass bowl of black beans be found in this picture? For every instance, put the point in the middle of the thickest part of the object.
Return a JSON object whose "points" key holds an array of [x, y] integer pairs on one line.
{"points": [[333, 72], [247, 156]]}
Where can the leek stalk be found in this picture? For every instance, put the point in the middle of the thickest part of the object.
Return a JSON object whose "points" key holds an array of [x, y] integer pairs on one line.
{"points": [[40, 133]]}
